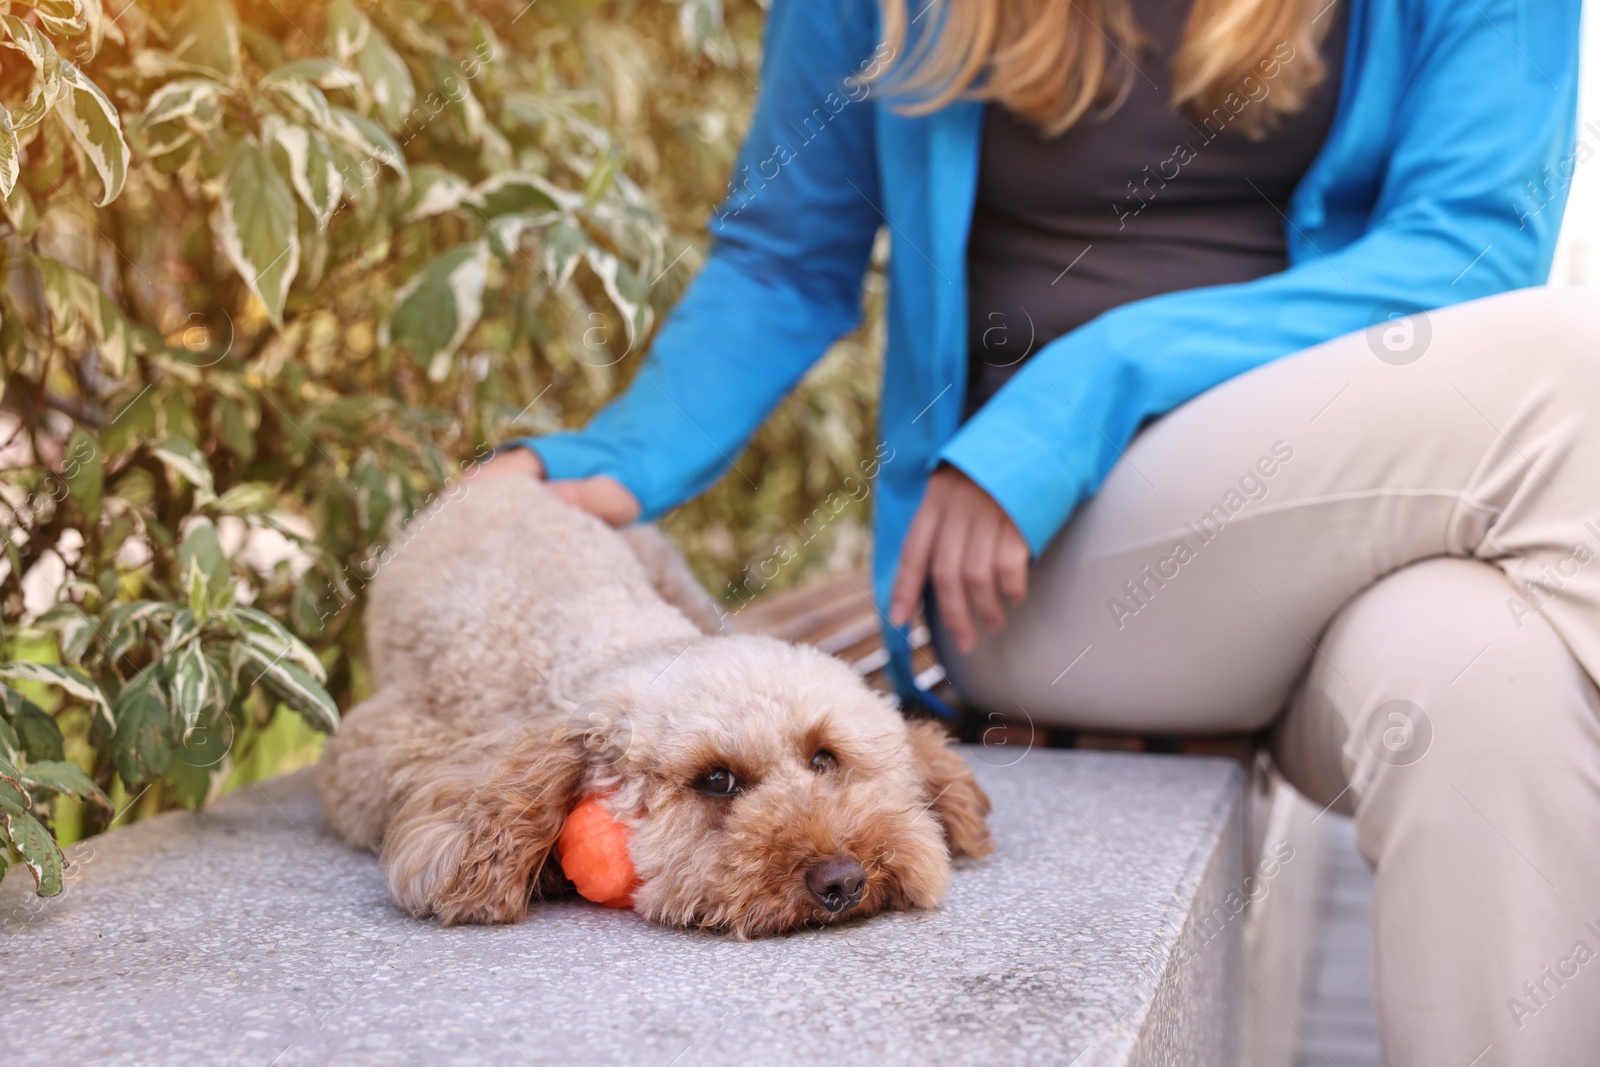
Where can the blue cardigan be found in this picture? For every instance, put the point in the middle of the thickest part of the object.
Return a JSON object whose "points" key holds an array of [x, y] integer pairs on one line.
{"points": [[1442, 179]]}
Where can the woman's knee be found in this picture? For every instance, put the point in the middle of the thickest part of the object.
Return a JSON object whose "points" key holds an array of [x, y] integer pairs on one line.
{"points": [[1427, 697]]}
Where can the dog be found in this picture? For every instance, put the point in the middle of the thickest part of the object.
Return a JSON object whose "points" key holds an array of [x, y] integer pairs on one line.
{"points": [[526, 655]]}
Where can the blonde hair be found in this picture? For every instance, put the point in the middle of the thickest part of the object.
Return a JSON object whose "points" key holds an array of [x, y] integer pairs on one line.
{"points": [[1052, 61]]}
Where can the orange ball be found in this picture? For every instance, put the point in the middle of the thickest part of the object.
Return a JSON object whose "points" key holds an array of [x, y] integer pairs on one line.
{"points": [[593, 848]]}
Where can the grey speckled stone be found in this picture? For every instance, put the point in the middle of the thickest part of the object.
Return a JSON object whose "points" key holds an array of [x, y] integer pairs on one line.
{"points": [[249, 935]]}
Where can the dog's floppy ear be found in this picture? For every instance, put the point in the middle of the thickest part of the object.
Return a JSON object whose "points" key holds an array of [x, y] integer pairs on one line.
{"points": [[956, 797], [471, 842]]}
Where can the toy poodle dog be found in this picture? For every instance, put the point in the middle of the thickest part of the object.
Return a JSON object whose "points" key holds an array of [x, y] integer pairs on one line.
{"points": [[526, 655]]}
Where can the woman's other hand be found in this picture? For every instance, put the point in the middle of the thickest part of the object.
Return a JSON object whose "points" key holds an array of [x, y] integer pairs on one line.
{"points": [[973, 551], [600, 495]]}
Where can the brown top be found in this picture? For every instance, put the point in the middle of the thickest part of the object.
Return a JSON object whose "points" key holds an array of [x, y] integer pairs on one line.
{"points": [[1141, 202]]}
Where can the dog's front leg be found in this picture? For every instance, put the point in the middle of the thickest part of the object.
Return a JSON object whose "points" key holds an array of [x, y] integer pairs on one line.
{"points": [[469, 840]]}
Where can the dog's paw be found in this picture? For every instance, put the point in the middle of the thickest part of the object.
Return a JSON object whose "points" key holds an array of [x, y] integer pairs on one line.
{"points": [[469, 846], [441, 870]]}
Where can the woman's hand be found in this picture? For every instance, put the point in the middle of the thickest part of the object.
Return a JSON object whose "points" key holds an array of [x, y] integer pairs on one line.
{"points": [[601, 495], [523, 461], [974, 552]]}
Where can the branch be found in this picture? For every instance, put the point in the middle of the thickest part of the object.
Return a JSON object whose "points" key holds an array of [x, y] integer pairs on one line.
{"points": [[37, 406], [79, 413]]}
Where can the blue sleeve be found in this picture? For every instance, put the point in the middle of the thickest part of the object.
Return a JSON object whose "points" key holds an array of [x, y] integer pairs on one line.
{"points": [[783, 281], [1487, 105]]}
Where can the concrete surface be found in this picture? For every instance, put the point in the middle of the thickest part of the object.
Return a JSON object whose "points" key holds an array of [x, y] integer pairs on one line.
{"points": [[1098, 934]]}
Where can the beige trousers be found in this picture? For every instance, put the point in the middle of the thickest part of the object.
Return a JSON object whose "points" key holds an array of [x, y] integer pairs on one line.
{"points": [[1388, 547]]}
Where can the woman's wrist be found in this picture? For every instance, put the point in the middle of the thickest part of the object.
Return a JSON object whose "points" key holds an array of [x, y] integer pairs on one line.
{"points": [[600, 495], [521, 461]]}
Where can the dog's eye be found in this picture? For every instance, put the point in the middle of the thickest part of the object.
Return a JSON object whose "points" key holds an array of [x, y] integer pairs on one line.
{"points": [[824, 761], [718, 783]]}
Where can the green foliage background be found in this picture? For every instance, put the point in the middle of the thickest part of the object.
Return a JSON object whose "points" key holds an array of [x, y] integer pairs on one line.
{"points": [[271, 274]]}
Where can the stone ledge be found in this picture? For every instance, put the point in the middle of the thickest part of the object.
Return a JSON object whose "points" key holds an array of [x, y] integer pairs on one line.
{"points": [[248, 934]]}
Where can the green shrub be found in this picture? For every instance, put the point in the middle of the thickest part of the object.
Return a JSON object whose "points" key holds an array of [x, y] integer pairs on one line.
{"points": [[269, 277]]}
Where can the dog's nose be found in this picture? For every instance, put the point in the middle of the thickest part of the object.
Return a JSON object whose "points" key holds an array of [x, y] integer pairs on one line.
{"points": [[837, 883]]}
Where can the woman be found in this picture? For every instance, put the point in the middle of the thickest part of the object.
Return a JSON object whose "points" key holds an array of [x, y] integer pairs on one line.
{"points": [[1363, 520]]}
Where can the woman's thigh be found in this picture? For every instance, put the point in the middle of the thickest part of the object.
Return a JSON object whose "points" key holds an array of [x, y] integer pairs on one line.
{"points": [[1189, 593]]}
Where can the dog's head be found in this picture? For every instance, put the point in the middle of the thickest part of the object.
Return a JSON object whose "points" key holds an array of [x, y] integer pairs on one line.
{"points": [[769, 789]]}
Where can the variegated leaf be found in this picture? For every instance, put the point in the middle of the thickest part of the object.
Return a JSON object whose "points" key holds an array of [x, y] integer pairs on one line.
{"points": [[274, 638], [297, 97], [323, 73], [348, 27], [206, 35], [437, 308], [258, 226], [74, 630], [39, 852], [700, 21], [601, 176], [288, 683], [386, 74], [194, 582], [202, 546], [64, 18], [192, 689], [112, 333], [182, 99], [96, 27], [220, 675], [185, 628], [60, 297], [135, 612], [312, 171], [505, 234], [508, 194], [20, 211], [187, 460], [10, 155], [368, 140], [36, 730], [73, 682], [142, 745], [83, 467], [564, 245], [47, 84], [434, 191], [73, 296], [624, 288], [10, 775], [64, 777], [125, 626], [247, 498], [97, 128], [62, 291], [162, 141], [155, 65], [464, 101]]}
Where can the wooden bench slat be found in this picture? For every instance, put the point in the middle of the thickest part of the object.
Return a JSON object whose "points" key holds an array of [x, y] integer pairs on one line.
{"points": [[792, 614]]}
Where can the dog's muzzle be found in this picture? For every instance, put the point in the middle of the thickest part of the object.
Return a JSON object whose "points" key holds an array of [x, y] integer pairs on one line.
{"points": [[837, 883]]}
